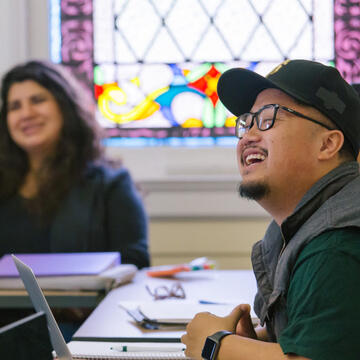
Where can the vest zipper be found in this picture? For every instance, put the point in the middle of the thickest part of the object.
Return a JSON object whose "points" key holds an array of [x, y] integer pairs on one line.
{"points": [[284, 244]]}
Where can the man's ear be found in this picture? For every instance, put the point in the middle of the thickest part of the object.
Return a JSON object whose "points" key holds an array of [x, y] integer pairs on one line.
{"points": [[332, 142]]}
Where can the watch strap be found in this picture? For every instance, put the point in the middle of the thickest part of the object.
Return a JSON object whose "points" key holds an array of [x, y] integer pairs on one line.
{"points": [[220, 334], [212, 344]]}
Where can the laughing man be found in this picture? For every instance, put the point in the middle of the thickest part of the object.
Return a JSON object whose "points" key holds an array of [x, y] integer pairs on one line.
{"points": [[299, 134]]}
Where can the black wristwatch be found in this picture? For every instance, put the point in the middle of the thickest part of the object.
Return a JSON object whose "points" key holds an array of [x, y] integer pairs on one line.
{"points": [[212, 344]]}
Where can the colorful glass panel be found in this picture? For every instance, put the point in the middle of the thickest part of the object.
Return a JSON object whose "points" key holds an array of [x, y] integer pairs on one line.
{"points": [[153, 65]]}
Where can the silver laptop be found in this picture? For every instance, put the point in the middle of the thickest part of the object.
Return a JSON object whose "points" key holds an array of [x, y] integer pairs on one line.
{"points": [[98, 350], [40, 304]]}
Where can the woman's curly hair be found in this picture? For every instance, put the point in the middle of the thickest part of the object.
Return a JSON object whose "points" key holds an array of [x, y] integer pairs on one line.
{"points": [[79, 141]]}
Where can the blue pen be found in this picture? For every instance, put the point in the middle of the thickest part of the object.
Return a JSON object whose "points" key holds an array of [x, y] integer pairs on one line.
{"points": [[208, 302]]}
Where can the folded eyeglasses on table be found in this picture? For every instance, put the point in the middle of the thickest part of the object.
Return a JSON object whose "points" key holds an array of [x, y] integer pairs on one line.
{"points": [[159, 293]]}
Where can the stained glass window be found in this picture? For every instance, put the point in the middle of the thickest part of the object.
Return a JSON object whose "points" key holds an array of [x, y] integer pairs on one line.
{"points": [[153, 65]]}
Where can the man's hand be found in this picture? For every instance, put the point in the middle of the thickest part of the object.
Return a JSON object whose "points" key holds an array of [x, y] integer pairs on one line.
{"points": [[245, 326], [205, 324]]}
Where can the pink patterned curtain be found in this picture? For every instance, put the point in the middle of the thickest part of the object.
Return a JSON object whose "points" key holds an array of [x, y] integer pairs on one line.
{"points": [[347, 38], [77, 38]]}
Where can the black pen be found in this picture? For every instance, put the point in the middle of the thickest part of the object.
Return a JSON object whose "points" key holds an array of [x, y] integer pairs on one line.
{"points": [[140, 348]]}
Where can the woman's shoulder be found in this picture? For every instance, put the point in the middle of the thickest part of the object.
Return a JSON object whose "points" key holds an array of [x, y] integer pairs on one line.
{"points": [[106, 173]]}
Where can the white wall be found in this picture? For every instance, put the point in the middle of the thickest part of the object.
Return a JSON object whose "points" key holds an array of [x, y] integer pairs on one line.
{"points": [[12, 33], [23, 31]]}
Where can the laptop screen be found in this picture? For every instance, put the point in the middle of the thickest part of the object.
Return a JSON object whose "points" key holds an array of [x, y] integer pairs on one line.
{"points": [[40, 304]]}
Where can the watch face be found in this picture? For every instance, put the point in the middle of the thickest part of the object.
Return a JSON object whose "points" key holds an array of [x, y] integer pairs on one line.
{"points": [[209, 350]]}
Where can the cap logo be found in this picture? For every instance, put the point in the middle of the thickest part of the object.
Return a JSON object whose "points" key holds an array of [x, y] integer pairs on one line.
{"points": [[331, 100], [272, 72]]}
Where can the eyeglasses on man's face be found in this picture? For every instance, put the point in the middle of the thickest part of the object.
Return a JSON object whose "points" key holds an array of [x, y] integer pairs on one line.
{"points": [[265, 119]]}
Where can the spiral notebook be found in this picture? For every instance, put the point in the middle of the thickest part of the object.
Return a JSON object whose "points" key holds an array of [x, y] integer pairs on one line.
{"points": [[94, 350], [143, 350]]}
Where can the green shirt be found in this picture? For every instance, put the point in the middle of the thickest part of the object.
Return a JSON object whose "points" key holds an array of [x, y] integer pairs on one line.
{"points": [[323, 301]]}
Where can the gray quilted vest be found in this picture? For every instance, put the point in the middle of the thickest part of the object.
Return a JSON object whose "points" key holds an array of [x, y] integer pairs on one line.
{"points": [[332, 203]]}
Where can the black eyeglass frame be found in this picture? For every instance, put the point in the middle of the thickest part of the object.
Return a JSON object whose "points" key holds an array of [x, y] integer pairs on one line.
{"points": [[240, 131]]}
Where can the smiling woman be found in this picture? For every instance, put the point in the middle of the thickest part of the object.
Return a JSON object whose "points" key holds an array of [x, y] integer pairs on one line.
{"points": [[57, 191], [35, 122]]}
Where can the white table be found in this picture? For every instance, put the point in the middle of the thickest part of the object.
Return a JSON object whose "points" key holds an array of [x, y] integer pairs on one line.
{"points": [[109, 322]]}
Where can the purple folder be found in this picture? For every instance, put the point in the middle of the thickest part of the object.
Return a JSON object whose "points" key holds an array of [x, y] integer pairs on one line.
{"points": [[61, 264]]}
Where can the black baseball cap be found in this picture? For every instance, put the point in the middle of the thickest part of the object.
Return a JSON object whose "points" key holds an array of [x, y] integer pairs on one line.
{"points": [[310, 82]]}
